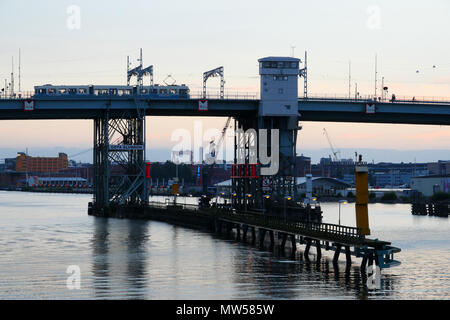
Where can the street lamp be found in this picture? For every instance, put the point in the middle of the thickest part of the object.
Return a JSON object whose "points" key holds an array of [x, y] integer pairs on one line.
{"points": [[233, 196], [341, 202]]}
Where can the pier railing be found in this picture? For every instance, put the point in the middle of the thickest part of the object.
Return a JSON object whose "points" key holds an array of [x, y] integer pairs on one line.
{"points": [[323, 231]]}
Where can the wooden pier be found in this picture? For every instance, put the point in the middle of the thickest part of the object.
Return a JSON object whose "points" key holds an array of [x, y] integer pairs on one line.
{"points": [[265, 231], [438, 209]]}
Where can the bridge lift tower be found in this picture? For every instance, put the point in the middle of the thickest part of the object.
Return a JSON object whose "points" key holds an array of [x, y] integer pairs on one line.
{"points": [[214, 73], [277, 116], [119, 152], [139, 72]]}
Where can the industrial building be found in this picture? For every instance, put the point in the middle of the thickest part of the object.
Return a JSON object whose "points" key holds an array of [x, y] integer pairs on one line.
{"points": [[26, 163], [429, 185], [323, 186]]}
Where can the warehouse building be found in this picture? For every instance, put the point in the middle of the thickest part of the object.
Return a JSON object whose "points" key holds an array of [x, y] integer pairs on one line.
{"points": [[429, 185]]}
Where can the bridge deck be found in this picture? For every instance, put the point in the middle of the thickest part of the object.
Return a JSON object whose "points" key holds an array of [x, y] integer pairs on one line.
{"points": [[314, 109]]}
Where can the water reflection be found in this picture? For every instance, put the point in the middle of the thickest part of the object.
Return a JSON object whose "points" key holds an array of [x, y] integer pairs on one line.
{"points": [[100, 264], [270, 276], [119, 252]]}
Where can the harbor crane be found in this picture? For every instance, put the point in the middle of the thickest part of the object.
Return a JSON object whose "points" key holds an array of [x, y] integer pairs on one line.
{"points": [[212, 155], [335, 152], [213, 147]]}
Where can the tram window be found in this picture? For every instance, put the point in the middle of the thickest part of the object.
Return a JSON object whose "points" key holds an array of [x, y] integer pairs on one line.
{"points": [[173, 91], [82, 90], [144, 91], [72, 90], [51, 91], [183, 92], [112, 91], [41, 91], [163, 91], [62, 91], [155, 91]]}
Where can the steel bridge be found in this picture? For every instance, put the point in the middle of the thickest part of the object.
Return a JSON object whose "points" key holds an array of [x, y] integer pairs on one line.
{"points": [[119, 129], [310, 109]]}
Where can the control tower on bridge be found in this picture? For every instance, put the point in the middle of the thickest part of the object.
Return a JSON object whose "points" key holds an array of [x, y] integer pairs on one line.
{"points": [[278, 118]]}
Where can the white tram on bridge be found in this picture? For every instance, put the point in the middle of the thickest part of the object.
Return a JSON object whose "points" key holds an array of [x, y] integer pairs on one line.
{"points": [[154, 91]]}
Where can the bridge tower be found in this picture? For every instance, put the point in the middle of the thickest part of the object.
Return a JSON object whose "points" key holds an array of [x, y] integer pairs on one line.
{"points": [[278, 109], [119, 160], [278, 116]]}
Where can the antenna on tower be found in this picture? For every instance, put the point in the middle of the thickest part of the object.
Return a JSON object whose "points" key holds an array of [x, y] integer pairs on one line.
{"points": [[20, 89], [12, 77], [304, 73], [128, 70], [376, 72], [349, 78]]}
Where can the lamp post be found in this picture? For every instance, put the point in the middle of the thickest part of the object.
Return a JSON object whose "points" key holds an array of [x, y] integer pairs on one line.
{"points": [[289, 198], [265, 197], [233, 196], [341, 202], [247, 196]]}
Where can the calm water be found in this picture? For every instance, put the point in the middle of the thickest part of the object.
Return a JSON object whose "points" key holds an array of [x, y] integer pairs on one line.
{"points": [[42, 234]]}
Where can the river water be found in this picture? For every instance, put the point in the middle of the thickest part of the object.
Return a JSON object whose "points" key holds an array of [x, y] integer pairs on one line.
{"points": [[41, 235]]}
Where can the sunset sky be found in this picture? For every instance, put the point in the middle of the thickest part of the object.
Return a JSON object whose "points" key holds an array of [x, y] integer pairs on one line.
{"points": [[186, 38]]}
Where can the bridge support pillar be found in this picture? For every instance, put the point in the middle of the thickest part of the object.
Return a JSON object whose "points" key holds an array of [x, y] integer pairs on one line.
{"points": [[119, 161], [337, 253], [272, 238], [244, 232], [253, 236], [218, 226], [262, 235], [238, 231], [283, 241], [363, 263], [318, 250], [348, 257], [308, 246], [229, 227], [293, 245]]}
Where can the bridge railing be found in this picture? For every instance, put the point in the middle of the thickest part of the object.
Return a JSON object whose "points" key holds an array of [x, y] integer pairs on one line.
{"points": [[230, 95], [17, 95], [372, 98]]}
